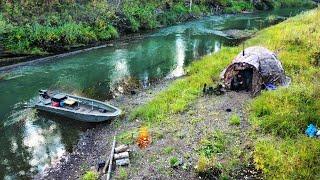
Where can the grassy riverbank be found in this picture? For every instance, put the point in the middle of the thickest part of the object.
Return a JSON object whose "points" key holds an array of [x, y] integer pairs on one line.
{"points": [[279, 118], [33, 27]]}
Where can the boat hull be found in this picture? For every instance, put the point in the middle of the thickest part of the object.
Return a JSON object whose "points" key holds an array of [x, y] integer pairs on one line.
{"points": [[85, 117]]}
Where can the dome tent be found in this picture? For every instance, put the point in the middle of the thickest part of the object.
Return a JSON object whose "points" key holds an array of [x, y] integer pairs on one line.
{"points": [[257, 66]]}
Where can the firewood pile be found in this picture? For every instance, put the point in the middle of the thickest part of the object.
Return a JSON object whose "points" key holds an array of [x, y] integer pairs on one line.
{"points": [[119, 154]]}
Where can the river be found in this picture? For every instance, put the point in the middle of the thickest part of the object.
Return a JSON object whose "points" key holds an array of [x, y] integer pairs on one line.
{"points": [[30, 141]]}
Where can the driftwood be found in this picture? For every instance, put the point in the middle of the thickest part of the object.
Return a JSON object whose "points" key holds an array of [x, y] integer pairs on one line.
{"points": [[121, 155], [123, 162], [111, 158], [121, 148]]}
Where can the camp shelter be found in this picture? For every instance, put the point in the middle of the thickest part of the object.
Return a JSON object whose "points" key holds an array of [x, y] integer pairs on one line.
{"points": [[255, 67]]}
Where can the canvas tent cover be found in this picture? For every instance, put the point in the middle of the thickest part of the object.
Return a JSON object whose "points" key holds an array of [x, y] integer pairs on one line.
{"points": [[265, 66]]}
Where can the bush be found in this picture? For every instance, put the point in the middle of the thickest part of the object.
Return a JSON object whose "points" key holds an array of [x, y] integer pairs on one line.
{"points": [[140, 15], [238, 6]]}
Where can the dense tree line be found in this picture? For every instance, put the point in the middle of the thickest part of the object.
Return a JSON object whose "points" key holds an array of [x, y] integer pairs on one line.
{"points": [[50, 26]]}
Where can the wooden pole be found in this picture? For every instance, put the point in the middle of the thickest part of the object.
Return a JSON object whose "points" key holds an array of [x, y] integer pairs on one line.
{"points": [[104, 170], [111, 158]]}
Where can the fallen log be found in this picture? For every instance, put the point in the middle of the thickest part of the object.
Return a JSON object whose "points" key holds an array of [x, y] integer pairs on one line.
{"points": [[123, 162], [122, 155], [121, 148]]}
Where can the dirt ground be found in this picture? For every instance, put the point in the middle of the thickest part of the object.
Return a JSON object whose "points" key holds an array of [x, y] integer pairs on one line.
{"points": [[179, 138]]}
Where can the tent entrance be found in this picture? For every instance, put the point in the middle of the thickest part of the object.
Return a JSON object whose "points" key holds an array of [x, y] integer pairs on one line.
{"points": [[242, 80]]}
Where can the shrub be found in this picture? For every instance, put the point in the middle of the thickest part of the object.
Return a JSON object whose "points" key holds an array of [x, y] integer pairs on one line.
{"points": [[140, 15], [238, 6]]}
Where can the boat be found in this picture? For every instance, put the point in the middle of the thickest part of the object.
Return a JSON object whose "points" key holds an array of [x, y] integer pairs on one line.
{"points": [[75, 107]]}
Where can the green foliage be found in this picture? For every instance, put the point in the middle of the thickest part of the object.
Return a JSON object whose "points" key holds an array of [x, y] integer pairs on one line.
{"points": [[292, 3], [140, 14], [27, 38], [39, 27], [234, 120], [238, 6], [90, 175]]}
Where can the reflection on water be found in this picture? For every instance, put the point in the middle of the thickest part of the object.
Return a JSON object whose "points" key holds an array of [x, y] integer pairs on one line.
{"points": [[31, 141], [44, 144], [179, 58]]}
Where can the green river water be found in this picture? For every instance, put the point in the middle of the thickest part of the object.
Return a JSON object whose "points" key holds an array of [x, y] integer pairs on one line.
{"points": [[29, 141]]}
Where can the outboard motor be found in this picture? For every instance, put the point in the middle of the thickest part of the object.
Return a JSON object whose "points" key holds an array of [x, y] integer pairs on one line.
{"points": [[44, 94]]}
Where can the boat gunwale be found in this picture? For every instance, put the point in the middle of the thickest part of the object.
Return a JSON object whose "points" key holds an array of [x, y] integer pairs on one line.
{"points": [[116, 111]]}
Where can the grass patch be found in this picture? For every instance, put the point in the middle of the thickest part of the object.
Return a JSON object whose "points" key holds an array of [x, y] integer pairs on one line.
{"points": [[128, 137], [174, 162], [214, 143], [122, 175], [289, 158], [90, 175], [168, 150], [234, 120]]}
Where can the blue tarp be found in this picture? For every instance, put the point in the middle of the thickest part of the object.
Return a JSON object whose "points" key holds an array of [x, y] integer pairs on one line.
{"points": [[270, 86], [311, 130]]}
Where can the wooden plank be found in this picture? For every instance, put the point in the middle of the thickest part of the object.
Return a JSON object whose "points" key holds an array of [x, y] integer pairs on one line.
{"points": [[111, 158]]}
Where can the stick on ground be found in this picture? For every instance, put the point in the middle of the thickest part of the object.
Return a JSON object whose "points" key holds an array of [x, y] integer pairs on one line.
{"points": [[111, 158]]}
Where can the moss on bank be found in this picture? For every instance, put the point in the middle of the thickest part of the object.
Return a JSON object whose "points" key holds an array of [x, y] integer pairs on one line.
{"points": [[281, 149]]}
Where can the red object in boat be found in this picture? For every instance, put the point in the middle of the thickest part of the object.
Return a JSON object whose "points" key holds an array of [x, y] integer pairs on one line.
{"points": [[55, 104]]}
